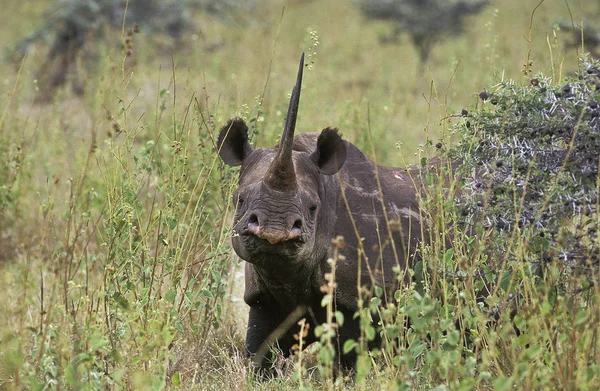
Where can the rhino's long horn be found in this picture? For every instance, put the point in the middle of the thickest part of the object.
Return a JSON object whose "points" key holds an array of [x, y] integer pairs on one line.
{"points": [[281, 175]]}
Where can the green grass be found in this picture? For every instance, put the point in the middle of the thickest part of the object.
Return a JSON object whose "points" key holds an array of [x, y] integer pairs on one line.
{"points": [[115, 267]]}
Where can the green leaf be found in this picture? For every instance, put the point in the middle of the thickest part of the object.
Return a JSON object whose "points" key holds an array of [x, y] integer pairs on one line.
{"points": [[467, 384], [319, 331], [375, 303], [327, 354], [581, 317], [392, 330], [81, 358], [168, 335], [97, 342], [349, 345], [189, 296], [363, 366], [448, 256], [417, 349], [418, 270], [505, 281], [170, 295], [453, 337], [339, 317], [546, 308], [502, 383], [121, 301], [176, 379], [405, 386], [71, 375], [370, 332]]}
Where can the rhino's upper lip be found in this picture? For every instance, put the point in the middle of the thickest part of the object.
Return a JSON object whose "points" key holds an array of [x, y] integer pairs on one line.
{"points": [[246, 233]]}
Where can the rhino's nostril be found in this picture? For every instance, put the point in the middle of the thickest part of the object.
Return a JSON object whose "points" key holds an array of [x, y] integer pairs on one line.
{"points": [[253, 226], [297, 224], [253, 219]]}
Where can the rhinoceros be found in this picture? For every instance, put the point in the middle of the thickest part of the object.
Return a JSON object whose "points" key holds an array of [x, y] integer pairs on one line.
{"points": [[292, 202]]}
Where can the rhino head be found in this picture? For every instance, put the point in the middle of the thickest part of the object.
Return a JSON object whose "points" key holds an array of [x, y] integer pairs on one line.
{"points": [[279, 200]]}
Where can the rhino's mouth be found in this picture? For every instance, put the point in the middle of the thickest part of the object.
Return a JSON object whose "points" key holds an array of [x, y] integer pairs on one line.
{"points": [[256, 245], [271, 236], [247, 235]]}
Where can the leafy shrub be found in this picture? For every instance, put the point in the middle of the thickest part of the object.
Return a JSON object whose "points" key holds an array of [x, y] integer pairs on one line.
{"points": [[516, 292], [531, 165]]}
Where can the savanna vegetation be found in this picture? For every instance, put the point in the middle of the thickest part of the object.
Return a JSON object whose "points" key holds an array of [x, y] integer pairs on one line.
{"points": [[115, 210]]}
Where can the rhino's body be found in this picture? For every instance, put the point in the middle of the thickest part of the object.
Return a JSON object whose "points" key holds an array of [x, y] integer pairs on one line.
{"points": [[274, 289], [292, 201]]}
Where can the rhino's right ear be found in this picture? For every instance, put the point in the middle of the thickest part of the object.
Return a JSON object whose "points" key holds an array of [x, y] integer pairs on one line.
{"points": [[330, 154], [233, 145]]}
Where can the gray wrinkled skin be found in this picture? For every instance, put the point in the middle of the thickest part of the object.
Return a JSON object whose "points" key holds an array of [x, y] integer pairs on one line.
{"points": [[286, 263]]}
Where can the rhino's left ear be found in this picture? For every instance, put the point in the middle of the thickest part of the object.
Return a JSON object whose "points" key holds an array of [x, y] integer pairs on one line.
{"points": [[232, 144], [330, 154]]}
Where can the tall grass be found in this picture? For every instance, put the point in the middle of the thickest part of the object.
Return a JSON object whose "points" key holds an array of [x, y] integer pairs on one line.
{"points": [[115, 267], [125, 248]]}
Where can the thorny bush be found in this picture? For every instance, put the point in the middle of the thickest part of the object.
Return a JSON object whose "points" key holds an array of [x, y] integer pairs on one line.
{"points": [[530, 170]]}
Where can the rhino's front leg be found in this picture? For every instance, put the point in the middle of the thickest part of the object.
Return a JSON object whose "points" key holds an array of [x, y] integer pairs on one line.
{"points": [[269, 327], [260, 336], [263, 320]]}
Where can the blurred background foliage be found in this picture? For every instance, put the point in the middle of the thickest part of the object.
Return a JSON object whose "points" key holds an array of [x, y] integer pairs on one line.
{"points": [[114, 208], [425, 22], [391, 77]]}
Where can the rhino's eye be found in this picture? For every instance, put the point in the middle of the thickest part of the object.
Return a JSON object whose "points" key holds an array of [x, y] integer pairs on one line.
{"points": [[240, 201], [312, 210]]}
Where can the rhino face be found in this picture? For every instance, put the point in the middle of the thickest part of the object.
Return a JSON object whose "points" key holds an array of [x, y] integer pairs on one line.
{"points": [[271, 220], [279, 214], [279, 195]]}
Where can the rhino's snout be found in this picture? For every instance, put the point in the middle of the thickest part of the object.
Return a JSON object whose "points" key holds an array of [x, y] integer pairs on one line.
{"points": [[258, 226]]}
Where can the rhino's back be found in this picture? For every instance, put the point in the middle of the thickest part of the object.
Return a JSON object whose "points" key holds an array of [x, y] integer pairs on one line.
{"points": [[305, 142], [377, 214]]}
